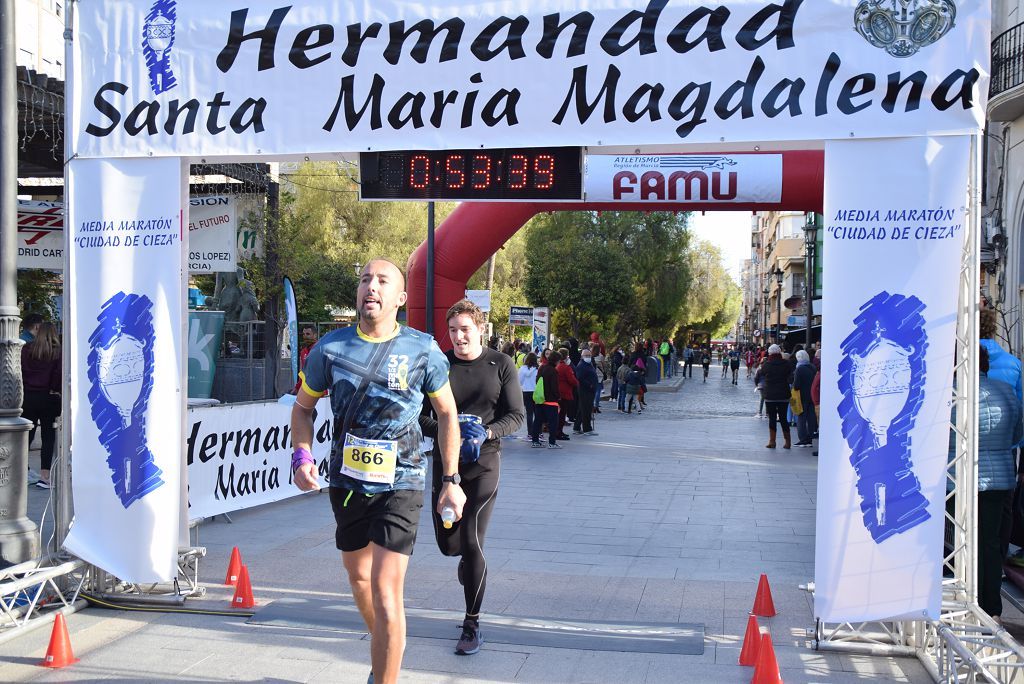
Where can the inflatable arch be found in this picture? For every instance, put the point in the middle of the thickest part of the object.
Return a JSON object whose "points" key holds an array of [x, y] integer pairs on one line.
{"points": [[476, 230]]}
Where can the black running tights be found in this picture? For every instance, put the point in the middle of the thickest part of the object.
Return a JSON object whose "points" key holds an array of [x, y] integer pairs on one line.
{"points": [[466, 537]]}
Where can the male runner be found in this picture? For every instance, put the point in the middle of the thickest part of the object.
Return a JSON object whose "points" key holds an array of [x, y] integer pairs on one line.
{"points": [[377, 373], [485, 385]]}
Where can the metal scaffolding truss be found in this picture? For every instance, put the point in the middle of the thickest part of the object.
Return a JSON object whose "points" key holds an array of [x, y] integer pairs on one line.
{"points": [[29, 591], [964, 645]]}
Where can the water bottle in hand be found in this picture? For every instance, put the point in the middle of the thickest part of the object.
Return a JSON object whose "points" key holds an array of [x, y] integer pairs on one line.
{"points": [[447, 517]]}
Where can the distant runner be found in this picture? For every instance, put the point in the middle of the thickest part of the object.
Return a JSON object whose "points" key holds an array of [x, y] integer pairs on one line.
{"points": [[378, 373]]}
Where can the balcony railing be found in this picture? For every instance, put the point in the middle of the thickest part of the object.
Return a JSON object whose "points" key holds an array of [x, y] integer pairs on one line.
{"points": [[1007, 60]]}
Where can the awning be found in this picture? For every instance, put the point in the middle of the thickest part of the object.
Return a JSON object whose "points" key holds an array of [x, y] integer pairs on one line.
{"points": [[791, 338]]}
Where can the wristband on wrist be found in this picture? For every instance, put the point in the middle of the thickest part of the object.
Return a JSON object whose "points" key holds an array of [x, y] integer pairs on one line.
{"points": [[301, 457]]}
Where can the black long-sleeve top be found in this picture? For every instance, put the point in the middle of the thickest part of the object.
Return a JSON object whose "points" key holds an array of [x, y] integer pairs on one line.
{"points": [[778, 379], [488, 387]]}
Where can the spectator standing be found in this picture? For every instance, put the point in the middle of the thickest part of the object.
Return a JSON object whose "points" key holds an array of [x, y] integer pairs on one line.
{"points": [[759, 387], [665, 352], [528, 381], [803, 381], [620, 378], [601, 367], [30, 326], [42, 378], [567, 384], [586, 375], [1004, 367], [636, 382], [777, 377], [688, 355], [999, 428], [548, 411], [573, 346], [816, 388], [616, 360]]}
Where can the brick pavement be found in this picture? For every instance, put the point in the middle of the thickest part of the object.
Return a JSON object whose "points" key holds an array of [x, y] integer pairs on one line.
{"points": [[666, 516]]}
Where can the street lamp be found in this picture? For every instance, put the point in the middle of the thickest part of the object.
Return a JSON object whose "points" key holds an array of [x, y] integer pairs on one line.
{"points": [[764, 312], [778, 304], [810, 245]]}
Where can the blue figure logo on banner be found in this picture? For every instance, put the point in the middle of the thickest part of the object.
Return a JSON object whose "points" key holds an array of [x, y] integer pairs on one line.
{"points": [[157, 41], [120, 370], [881, 377]]}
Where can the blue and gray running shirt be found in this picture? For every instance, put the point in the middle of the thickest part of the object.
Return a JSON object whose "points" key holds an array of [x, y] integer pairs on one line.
{"points": [[377, 387]]}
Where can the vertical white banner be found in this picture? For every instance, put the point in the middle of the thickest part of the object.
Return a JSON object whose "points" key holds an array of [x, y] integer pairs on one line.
{"points": [[126, 248], [895, 213]]}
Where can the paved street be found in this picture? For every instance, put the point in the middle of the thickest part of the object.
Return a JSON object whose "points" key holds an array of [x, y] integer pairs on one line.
{"points": [[669, 516]]}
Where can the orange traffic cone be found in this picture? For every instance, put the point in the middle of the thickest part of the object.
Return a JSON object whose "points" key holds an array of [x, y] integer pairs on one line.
{"points": [[763, 604], [751, 642], [243, 592], [234, 566], [767, 670], [59, 652]]}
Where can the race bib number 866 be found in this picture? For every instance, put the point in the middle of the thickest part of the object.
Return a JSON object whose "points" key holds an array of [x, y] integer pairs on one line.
{"points": [[370, 460]]}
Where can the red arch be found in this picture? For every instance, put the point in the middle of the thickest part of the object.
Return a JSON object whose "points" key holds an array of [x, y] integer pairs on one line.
{"points": [[476, 230]]}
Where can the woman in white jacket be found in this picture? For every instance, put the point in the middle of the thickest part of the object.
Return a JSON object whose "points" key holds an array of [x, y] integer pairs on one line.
{"points": [[528, 381]]}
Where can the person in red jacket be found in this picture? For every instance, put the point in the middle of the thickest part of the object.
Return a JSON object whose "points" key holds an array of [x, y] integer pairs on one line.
{"points": [[567, 384]]}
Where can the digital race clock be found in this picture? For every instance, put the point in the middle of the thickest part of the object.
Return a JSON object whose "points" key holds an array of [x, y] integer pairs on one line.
{"points": [[548, 173]]}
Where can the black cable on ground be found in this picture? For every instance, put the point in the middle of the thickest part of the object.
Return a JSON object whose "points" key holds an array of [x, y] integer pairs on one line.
{"points": [[96, 601]]}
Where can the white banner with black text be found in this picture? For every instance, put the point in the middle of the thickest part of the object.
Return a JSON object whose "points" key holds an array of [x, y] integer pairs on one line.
{"points": [[235, 77], [127, 358], [895, 213], [239, 455]]}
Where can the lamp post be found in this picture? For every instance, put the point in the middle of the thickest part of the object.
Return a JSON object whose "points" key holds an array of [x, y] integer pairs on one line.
{"points": [[810, 243], [778, 304], [17, 532], [764, 312]]}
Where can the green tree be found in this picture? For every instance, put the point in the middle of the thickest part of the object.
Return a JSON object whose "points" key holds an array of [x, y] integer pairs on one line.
{"points": [[714, 299], [510, 271], [574, 270], [36, 292], [656, 245], [325, 235]]}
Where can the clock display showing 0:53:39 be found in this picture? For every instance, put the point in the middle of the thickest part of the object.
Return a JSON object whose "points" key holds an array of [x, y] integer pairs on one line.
{"points": [[553, 173]]}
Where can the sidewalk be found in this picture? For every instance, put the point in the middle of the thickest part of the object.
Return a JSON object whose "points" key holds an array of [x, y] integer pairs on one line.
{"points": [[669, 516]]}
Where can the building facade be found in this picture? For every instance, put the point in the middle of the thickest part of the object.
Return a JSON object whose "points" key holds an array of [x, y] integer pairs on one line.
{"points": [[1003, 236], [39, 32], [774, 279]]}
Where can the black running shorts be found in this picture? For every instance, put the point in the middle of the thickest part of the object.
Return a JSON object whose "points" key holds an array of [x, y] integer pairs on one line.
{"points": [[389, 519]]}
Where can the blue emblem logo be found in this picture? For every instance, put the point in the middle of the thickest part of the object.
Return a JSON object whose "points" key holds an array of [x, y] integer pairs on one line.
{"points": [[881, 378], [120, 371], [157, 41]]}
